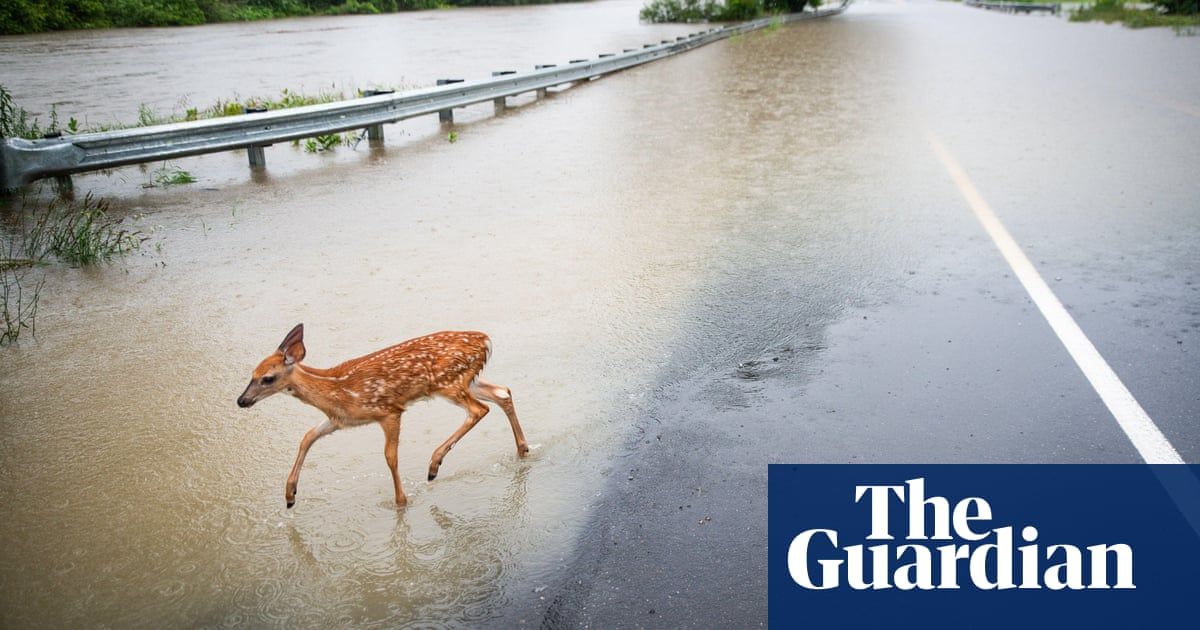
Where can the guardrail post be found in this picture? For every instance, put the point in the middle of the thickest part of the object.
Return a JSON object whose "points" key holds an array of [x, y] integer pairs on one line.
{"points": [[447, 115], [257, 155], [500, 104], [375, 132], [541, 92], [581, 61], [64, 186]]}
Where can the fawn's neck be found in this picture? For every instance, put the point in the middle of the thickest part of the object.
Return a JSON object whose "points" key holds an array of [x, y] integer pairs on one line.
{"points": [[316, 387]]}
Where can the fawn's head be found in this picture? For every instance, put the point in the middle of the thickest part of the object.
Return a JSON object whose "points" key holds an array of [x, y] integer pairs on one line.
{"points": [[274, 374]]}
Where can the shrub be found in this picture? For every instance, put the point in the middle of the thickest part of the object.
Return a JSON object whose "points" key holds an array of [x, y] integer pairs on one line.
{"points": [[716, 11], [1179, 7]]}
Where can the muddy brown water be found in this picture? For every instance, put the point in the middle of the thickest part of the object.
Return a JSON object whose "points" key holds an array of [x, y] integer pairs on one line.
{"points": [[136, 493], [578, 231]]}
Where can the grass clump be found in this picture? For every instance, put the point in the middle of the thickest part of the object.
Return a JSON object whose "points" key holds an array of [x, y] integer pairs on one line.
{"points": [[323, 143], [17, 122], [78, 233], [170, 175], [19, 294], [75, 233]]}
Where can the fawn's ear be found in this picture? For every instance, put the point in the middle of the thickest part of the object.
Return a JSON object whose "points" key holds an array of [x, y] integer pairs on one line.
{"points": [[293, 345]]}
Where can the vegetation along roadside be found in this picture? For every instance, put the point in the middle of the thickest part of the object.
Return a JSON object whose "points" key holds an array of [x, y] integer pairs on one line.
{"points": [[1182, 15], [36, 235], [719, 10], [34, 16]]}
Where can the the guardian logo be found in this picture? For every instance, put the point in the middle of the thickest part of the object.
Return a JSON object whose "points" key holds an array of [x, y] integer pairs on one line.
{"points": [[970, 553]]}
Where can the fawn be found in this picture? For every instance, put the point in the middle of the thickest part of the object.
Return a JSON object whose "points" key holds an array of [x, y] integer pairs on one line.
{"points": [[378, 386]]}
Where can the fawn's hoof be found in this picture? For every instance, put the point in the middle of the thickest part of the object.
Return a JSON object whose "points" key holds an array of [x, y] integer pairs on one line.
{"points": [[434, 465], [290, 503]]}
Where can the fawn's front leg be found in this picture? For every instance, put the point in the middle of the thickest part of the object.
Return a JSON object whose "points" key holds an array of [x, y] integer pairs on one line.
{"points": [[391, 431], [313, 434], [475, 412]]}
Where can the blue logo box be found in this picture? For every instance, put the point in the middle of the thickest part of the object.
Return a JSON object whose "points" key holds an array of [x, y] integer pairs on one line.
{"points": [[983, 546]]}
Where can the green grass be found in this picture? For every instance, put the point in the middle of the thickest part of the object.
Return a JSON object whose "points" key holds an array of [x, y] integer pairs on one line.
{"points": [[169, 175], [329, 142], [1112, 12], [78, 233], [75, 233], [233, 106], [17, 122]]}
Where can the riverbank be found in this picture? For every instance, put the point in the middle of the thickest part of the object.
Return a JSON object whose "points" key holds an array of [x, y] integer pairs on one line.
{"points": [[692, 11], [1109, 11], [38, 16]]}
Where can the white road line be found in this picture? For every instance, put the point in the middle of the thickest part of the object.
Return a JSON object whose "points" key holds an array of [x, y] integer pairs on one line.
{"points": [[1145, 435]]}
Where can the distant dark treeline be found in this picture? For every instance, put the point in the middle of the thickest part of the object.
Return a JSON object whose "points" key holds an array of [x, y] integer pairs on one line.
{"points": [[32, 16]]}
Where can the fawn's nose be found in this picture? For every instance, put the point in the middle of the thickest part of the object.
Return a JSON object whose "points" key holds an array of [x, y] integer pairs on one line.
{"points": [[246, 400]]}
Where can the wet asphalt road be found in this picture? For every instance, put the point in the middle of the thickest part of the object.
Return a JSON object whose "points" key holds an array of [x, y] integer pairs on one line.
{"points": [[861, 313]]}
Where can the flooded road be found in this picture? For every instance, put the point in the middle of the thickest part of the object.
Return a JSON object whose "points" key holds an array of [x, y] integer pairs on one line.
{"points": [[741, 255], [137, 493]]}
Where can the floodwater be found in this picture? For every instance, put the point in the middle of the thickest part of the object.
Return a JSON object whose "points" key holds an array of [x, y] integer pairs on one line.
{"points": [[607, 238], [136, 492]]}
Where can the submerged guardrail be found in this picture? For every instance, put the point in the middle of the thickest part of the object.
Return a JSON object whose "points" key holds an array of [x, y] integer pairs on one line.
{"points": [[1015, 7], [24, 161]]}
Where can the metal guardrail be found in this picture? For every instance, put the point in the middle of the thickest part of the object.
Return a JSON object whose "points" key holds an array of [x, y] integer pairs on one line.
{"points": [[24, 161], [1015, 7]]}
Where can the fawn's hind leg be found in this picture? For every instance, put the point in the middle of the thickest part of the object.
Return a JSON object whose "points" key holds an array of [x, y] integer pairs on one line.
{"points": [[503, 396]]}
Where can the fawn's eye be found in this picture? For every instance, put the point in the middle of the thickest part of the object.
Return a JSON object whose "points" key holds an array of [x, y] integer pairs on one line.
{"points": [[268, 379]]}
